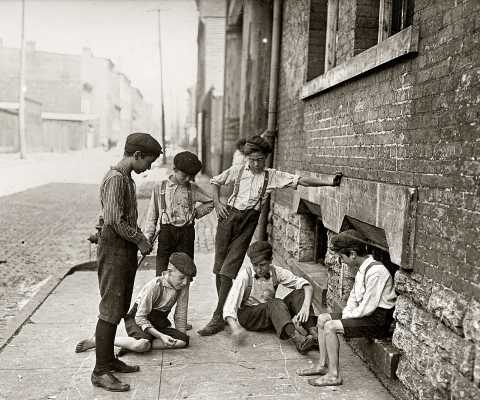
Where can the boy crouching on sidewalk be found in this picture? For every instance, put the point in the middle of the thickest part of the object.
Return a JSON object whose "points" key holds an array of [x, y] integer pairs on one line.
{"points": [[368, 313], [147, 323]]}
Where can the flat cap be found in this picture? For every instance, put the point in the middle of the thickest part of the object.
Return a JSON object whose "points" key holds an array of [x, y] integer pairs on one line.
{"points": [[348, 239], [259, 251], [187, 162], [257, 143], [183, 263], [143, 142]]}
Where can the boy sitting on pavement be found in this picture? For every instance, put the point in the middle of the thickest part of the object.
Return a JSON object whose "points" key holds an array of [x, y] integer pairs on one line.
{"points": [[251, 303], [147, 323], [172, 213], [368, 313]]}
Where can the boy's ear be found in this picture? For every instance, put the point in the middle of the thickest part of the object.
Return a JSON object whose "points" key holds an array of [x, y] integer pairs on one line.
{"points": [[137, 154]]}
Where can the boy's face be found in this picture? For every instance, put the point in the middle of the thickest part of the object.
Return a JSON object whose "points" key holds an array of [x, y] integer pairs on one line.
{"points": [[181, 176], [142, 164], [256, 161], [176, 278], [262, 267], [351, 260]]}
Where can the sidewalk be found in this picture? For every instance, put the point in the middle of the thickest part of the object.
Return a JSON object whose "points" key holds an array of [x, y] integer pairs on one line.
{"points": [[40, 363]]}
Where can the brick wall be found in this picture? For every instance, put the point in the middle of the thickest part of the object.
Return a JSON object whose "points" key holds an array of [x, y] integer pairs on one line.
{"points": [[413, 122]]}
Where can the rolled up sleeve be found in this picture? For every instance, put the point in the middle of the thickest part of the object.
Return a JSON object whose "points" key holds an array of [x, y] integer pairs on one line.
{"points": [[282, 179], [235, 296], [289, 279]]}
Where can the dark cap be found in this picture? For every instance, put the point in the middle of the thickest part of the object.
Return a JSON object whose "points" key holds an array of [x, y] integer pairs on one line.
{"points": [[187, 162], [349, 239], [183, 263], [257, 143], [260, 251], [143, 142]]}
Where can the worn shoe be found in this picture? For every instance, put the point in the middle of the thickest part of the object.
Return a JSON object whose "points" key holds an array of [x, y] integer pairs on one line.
{"points": [[216, 324], [189, 327], [119, 366], [305, 343], [109, 382]]}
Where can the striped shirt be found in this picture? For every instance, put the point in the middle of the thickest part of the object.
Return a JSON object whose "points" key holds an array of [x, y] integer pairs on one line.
{"points": [[158, 294], [251, 184], [178, 210], [119, 204]]}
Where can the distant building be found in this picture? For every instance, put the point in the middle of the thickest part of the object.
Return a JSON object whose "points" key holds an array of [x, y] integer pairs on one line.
{"points": [[209, 88], [82, 101]]}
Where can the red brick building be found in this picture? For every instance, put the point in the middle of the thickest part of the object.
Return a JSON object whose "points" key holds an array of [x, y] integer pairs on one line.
{"points": [[387, 92]]}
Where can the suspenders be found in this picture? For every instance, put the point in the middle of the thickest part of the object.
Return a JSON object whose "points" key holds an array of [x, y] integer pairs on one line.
{"points": [[366, 270], [163, 203], [237, 186]]}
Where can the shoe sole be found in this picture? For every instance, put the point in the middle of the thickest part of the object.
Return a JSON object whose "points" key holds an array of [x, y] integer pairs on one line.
{"points": [[110, 389]]}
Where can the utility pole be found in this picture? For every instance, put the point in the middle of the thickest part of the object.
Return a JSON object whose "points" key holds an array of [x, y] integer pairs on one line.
{"points": [[164, 157], [21, 91]]}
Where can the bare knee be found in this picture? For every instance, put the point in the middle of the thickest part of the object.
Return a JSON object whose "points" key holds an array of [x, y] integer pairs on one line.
{"points": [[322, 320], [142, 345], [332, 327]]}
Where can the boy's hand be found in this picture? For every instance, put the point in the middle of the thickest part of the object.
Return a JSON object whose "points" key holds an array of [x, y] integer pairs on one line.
{"points": [[222, 210], [302, 315], [337, 178], [167, 340], [145, 247]]}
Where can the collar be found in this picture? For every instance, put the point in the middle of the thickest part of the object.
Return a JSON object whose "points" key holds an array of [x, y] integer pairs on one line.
{"points": [[124, 170], [162, 280], [171, 183], [366, 263]]}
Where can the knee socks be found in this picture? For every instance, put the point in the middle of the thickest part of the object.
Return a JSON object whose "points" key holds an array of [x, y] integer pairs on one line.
{"points": [[225, 285], [218, 282], [104, 342]]}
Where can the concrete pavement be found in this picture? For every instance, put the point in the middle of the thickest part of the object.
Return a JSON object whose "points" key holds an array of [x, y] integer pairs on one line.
{"points": [[40, 362]]}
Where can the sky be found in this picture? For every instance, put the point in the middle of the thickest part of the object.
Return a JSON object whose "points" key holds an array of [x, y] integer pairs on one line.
{"points": [[125, 31]]}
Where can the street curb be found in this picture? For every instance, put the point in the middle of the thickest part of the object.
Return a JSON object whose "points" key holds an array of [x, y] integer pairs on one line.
{"points": [[17, 322]]}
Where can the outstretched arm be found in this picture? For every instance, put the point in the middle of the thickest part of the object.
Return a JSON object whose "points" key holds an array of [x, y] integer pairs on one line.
{"points": [[313, 181]]}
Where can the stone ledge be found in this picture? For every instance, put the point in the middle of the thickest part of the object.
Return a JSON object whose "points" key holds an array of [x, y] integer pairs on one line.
{"points": [[316, 274], [382, 358], [389, 207]]}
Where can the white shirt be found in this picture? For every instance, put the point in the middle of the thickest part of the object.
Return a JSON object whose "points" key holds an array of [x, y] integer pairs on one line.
{"points": [[237, 297], [251, 184], [370, 291], [158, 294]]}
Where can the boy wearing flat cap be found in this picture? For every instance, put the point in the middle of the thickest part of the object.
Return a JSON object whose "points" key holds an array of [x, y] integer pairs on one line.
{"points": [[118, 244], [172, 212], [147, 323], [252, 305], [368, 313], [238, 218]]}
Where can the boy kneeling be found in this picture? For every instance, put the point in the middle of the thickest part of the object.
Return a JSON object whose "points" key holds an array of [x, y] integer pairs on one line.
{"points": [[368, 313], [147, 323]]}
